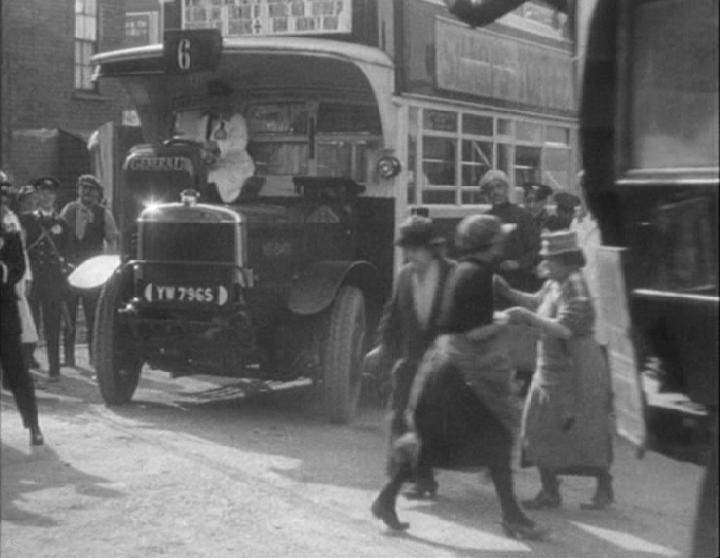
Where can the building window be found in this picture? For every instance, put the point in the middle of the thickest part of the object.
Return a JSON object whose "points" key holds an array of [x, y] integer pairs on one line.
{"points": [[453, 158], [86, 42]]}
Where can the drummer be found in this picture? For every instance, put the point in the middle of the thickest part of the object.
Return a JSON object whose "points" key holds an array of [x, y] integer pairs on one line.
{"points": [[92, 232]]}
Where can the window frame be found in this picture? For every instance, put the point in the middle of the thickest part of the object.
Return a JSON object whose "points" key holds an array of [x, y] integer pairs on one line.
{"points": [[90, 11], [497, 140]]}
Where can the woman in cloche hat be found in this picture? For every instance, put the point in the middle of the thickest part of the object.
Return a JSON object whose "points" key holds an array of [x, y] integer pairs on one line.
{"points": [[460, 414], [566, 421], [409, 325]]}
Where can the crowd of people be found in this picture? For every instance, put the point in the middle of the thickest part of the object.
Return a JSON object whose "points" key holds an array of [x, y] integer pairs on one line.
{"points": [[444, 339], [40, 247]]}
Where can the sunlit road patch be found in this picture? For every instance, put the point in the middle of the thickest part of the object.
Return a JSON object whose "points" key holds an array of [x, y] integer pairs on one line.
{"points": [[626, 541], [449, 535]]}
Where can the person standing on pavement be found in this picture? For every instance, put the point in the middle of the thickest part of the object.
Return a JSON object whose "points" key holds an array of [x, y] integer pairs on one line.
{"points": [[521, 247], [92, 232], [409, 324], [11, 221], [460, 415], [47, 237], [15, 375], [567, 420]]}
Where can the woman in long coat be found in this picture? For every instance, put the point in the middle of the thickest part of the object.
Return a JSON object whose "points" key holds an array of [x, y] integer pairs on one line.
{"points": [[460, 414], [409, 323], [567, 420]]}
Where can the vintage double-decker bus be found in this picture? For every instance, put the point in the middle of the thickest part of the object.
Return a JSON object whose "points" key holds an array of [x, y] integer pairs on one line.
{"points": [[320, 126]]}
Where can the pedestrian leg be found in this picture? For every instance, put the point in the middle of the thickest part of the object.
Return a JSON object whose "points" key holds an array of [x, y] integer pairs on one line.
{"points": [[515, 523], [604, 495], [89, 307], [384, 505], [51, 319], [69, 332], [549, 495], [17, 379]]}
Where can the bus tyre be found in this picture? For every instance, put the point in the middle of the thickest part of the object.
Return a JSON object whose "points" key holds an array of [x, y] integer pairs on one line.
{"points": [[344, 351], [118, 370]]}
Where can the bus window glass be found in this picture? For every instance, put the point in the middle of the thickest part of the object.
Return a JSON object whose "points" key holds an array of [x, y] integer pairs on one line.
{"points": [[527, 164], [477, 159], [348, 118], [279, 158], [345, 158], [441, 197], [477, 125], [504, 127], [440, 120], [288, 119], [674, 120], [529, 131], [473, 196], [439, 161], [556, 167], [558, 134]]}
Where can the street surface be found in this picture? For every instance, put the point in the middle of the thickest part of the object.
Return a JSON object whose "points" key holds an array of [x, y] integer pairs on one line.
{"points": [[216, 467]]}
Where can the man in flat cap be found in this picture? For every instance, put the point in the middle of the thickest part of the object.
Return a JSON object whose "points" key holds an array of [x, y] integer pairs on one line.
{"points": [[47, 238], [522, 246], [92, 232]]}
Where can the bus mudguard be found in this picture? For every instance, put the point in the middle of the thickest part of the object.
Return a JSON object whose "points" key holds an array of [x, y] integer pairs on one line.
{"points": [[315, 288]]}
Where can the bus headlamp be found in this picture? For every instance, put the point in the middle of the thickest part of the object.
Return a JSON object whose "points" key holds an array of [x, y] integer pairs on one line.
{"points": [[388, 166]]}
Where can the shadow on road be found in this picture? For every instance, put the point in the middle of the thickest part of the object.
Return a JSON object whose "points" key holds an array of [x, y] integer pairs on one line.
{"points": [[41, 470]]}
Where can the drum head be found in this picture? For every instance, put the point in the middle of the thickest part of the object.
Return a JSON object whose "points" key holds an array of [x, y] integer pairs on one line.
{"points": [[93, 273]]}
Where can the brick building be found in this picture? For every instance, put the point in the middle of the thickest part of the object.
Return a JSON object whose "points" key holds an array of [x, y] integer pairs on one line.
{"points": [[49, 104]]}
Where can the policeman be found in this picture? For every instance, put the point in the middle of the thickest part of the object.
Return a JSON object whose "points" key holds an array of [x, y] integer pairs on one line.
{"points": [[15, 376], [47, 238]]}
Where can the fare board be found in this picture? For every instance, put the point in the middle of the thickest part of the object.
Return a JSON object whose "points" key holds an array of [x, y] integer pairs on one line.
{"points": [[614, 314], [235, 18]]}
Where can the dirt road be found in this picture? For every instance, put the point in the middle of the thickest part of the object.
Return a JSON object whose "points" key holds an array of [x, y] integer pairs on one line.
{"points": [[208, 467]]}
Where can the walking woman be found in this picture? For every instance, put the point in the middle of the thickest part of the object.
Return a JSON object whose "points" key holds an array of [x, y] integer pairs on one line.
{"points": [[460, 414], [409, 323], [566, 427]]}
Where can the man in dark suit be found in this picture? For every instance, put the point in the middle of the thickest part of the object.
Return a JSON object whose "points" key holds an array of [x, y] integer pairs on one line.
{"points": [[47, 237], [15, 377]]}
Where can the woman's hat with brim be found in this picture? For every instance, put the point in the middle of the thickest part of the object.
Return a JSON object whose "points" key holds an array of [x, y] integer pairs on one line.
{"points": [[476, 233], [558, 242], [417, 232]]}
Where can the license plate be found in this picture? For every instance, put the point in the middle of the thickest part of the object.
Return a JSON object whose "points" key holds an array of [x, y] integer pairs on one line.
{"points": [[179, 293]]}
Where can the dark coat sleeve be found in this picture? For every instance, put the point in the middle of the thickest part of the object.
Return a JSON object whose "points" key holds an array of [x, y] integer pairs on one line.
{"points": [[528, 241], [12, 257], [390, 325]]}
